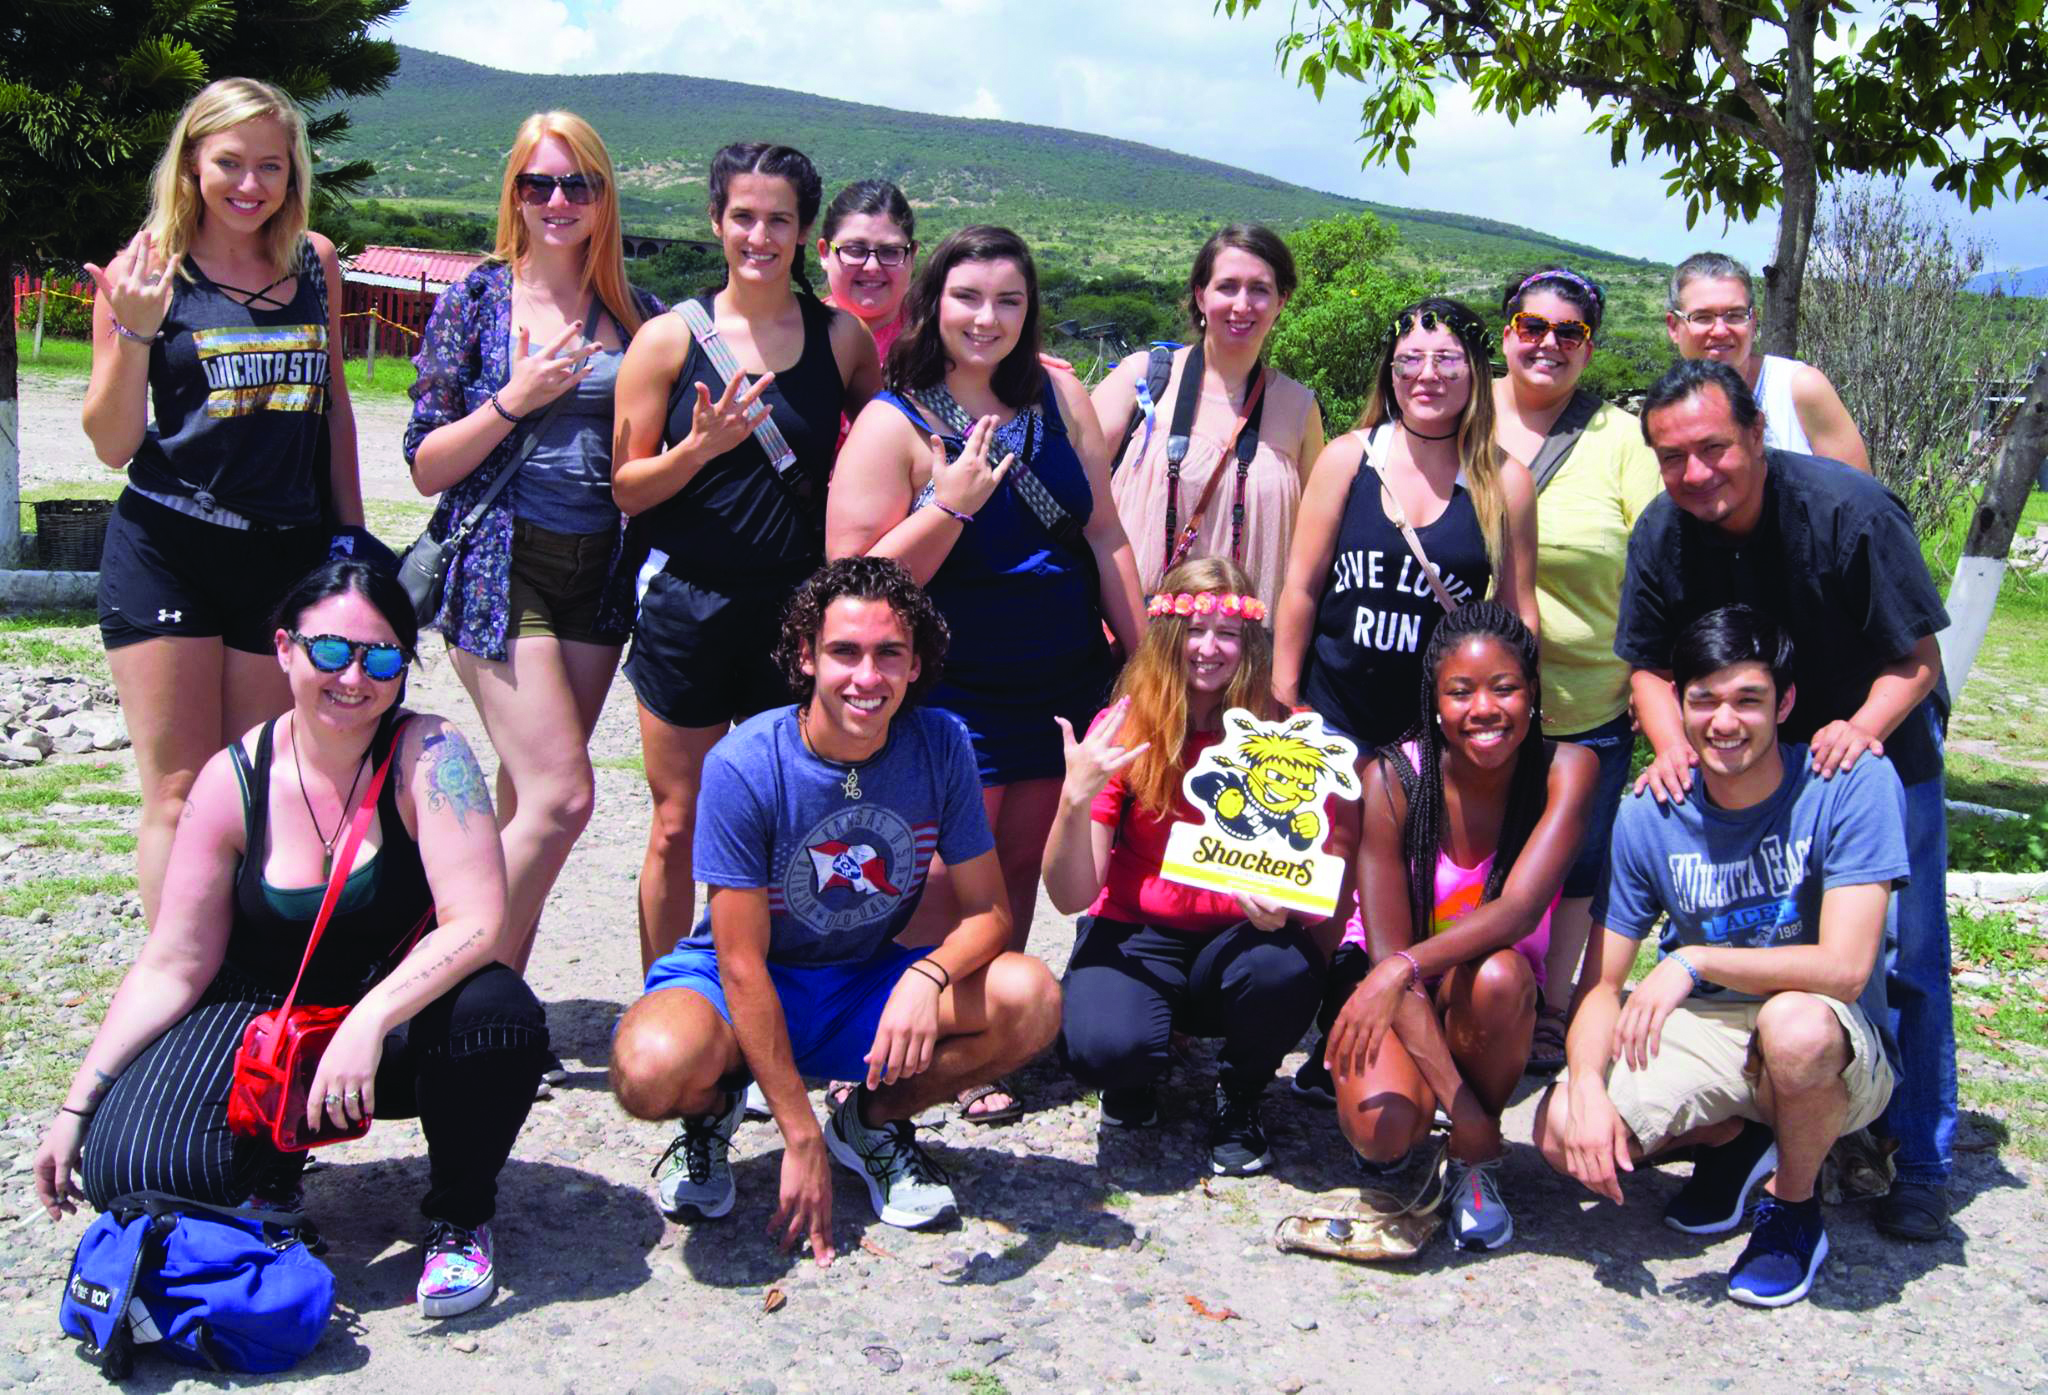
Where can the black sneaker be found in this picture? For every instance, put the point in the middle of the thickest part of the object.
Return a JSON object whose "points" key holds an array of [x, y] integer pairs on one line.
{"points": [[1713, 1199], [1913, 1211], [1785, 1251], [1136, 1107], [1237, 1144], [1312, 1082]]}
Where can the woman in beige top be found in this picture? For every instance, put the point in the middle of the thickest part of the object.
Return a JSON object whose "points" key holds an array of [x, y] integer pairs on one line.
{"points": [[1241, 278]]}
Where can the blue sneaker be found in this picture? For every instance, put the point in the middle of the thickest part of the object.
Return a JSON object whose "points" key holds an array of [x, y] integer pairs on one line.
{"points": [[1714, 1199], [1785, 1251]]}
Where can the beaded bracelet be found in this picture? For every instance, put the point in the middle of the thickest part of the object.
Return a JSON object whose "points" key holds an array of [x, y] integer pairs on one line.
{"points": [[499, 408], [952, 512], [1415, 969], [1686, 964], [127, 333]]}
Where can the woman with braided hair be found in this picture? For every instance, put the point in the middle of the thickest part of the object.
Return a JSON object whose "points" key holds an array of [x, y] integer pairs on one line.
{"points": [[1469, 827]]}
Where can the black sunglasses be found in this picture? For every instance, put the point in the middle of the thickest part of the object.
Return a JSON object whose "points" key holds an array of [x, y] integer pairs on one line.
{"points": [[538, 189], [333, 654]]}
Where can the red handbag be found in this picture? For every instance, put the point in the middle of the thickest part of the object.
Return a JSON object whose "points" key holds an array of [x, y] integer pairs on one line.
{"points": [[281, 1050]]}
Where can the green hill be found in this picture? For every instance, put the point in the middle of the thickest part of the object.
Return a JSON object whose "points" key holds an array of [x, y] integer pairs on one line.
{"points": [[1096, 205]]}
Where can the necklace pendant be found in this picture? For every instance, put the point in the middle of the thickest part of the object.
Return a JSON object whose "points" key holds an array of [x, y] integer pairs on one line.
{"points": [[851, 786], [326, 864]]}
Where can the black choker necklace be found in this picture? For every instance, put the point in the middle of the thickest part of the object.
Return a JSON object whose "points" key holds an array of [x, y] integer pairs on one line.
{"points": [[1420, 437]]}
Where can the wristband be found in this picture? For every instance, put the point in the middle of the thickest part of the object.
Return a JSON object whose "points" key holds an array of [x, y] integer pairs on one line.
{"points": [[930, 978], [499, 408], [81, 1113], [929, 963], [950, 511], [127, 333], [1686, 964]]}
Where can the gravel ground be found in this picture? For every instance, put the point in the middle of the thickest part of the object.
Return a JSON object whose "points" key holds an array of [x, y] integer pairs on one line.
{"points": [[1082, 1254]]}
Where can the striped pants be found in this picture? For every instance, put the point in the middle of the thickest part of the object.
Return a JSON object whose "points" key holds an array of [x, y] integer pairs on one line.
{"points": [[466, 1066]]}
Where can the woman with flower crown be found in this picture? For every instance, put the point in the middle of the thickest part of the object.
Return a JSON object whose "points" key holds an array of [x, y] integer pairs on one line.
{"points": [[1153, 955]]}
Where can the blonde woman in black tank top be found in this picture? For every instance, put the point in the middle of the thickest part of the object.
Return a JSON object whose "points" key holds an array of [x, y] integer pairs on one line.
{"points": [[224, 310], [724, 538]]}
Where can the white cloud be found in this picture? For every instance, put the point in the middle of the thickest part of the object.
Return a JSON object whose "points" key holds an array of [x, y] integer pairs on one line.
{"points": [[1172, 73]]}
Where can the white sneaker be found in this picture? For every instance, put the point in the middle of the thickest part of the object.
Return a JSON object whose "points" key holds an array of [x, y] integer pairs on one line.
{"points": [[756, 1106], [907, 1187], [695, 1177]]}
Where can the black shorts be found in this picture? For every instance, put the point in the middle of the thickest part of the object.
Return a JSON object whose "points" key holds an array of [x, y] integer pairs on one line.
{"points": [[701, 658], [166, 575]]}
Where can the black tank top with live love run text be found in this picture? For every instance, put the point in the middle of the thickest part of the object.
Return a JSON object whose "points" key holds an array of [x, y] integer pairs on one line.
{"points": [[1363, 672], [239, 393]]}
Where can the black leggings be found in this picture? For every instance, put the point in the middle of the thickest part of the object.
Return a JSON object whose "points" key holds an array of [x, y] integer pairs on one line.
{"points": [[466, 1066], [1128, 986]]}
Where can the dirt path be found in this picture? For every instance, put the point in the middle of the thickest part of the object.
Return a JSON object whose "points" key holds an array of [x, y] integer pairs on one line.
{"points": [[1079, 1251]]}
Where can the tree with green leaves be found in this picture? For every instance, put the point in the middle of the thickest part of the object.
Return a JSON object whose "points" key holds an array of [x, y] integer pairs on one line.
{"points": [[1754, 105], [88, 92], [1330, 336]]}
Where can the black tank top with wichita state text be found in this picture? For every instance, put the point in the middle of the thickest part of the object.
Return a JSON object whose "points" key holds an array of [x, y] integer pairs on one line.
{"points": [[239, 393], [1363, 672]]}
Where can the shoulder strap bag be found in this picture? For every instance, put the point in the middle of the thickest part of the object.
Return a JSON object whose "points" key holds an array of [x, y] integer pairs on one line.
{"points": [[782, 462], [1064, 527], [423, 570], [1375, 457], [1563, 435], [1244, 442], [281, 1049]]}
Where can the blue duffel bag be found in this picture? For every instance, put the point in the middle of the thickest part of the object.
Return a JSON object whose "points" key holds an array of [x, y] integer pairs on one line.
{"points": [[231, 1289]]}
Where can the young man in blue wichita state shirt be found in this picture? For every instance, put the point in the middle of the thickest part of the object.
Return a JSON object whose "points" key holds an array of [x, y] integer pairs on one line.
{"points": [[1760, 1013], [815, 833]]}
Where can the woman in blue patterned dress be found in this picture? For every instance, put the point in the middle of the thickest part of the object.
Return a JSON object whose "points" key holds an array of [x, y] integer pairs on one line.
{"points": [[531, 342]]}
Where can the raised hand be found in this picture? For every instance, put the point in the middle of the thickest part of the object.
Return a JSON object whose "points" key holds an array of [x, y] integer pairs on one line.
{"points": [[716, 427], [964, 485], [137, 285], [538, 379], [1096, 756]]}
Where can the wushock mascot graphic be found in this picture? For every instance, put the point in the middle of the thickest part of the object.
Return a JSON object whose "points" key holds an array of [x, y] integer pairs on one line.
{"points": [[1260, 792]]}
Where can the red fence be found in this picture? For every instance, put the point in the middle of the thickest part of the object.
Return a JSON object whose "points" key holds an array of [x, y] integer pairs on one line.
{"points": [[26, 286]]}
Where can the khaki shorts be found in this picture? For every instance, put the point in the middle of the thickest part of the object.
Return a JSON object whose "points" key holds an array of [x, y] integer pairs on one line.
{"points": [[557, 583], [1706, 1068]]}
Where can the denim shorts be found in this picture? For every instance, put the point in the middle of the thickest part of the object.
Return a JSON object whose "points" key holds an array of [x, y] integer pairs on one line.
{"points": [[1613, 743], [831, 1011]]}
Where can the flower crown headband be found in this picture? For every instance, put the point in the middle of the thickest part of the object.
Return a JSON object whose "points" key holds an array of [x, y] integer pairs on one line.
{"points": [[1188, 603]]}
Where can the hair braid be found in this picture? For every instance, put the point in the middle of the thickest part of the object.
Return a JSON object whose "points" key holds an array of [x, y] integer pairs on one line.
{"points": [[1528, 790]]}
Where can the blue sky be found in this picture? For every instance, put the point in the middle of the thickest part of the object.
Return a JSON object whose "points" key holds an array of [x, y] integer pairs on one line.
{"points": [[1170, 73]]}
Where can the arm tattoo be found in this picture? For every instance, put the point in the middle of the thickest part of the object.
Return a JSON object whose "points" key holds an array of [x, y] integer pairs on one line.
{"points": [[453, 776], [101, 1083], [427, 971]]}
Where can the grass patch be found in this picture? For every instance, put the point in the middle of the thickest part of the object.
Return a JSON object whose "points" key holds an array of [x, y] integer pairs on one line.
{"points": [[30, 791], [62, 358], [45, 1038], [1993, 942], [45, 654], [395, 373], [1980, 844], [2021, 1105], [636, 762], [973, 1382], [396, 522], [122, 843], [54, 894], [1980, 780], [1116, 1201]]}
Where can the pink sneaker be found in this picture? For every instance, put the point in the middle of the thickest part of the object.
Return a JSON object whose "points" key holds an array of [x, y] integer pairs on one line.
{"points": [[459, 1274]]}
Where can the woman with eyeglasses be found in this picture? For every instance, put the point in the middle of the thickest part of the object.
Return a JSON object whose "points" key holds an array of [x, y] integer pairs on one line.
{"points": [[217, 382], [1712, 314], [1593, 476], [1420, 479], [437, 1027], [723, 475], [1178, 495], [867, 244], [517, 369]]}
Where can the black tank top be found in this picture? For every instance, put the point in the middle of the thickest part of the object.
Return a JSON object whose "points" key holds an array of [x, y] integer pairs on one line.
{"points": [[736, 518], [380, 903], [1364, 667], [240, 397]]}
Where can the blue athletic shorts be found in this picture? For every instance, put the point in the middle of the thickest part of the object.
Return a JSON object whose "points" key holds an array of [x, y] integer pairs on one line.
{"points": [[832, 1010]]}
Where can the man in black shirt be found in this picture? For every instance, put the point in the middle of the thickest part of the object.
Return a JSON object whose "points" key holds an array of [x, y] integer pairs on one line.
{"points": [[1831, 554]]}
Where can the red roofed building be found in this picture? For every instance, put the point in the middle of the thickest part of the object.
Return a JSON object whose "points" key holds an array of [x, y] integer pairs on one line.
{"points": [[400, 284]]}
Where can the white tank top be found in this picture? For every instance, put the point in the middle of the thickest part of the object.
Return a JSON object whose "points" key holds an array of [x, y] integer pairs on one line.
{"points": [[1782, 429]]}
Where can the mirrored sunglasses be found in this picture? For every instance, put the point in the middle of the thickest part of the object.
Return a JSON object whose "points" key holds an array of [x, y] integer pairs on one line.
{"points": [[333, 654]]}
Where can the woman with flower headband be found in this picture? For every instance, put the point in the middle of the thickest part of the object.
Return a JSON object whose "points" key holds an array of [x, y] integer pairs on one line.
{"points": [[1593, 477], [1405, 518], [1152, 953]]}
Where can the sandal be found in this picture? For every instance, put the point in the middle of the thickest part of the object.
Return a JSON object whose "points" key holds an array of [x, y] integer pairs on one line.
{"points": [[975, 1094], [1546, 1045]]}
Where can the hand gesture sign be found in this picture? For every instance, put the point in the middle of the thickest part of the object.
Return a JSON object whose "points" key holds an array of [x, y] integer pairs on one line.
{"points": [[716, 427], [137, 285], [538, 379], [965, 484], [1096, 756]]}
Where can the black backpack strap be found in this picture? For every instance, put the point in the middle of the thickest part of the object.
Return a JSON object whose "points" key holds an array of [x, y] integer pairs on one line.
{"points": [[1563, 435], [1151, 391]]}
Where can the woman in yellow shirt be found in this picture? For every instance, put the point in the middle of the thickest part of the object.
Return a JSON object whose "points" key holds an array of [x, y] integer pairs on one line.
{"points": [[1593, 476]]}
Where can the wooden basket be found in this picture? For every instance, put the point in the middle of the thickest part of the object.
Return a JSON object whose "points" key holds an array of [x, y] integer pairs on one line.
{"points": [[71, 533]]}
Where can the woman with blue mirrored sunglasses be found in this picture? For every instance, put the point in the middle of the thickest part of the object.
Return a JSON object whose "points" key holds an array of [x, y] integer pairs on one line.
{"points": [[333, 654]]}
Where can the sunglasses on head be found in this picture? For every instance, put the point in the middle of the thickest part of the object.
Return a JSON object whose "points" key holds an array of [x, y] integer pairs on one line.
{"points": [[1427, 320], [1530, 329], [538, 189], [333, 654]]}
